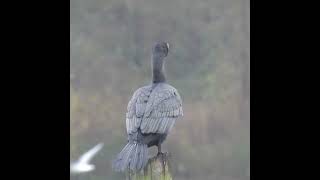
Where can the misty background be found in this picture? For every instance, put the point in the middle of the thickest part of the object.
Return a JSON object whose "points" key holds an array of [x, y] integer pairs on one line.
{"points": [[208, 63]]}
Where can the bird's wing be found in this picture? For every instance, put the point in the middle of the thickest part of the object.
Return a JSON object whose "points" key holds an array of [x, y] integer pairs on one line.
{"points": [[86, 157], [136, 108], [162, 110]]}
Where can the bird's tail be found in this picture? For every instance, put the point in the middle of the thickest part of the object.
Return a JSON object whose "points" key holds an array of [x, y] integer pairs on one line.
{"points": [[134, 156]]}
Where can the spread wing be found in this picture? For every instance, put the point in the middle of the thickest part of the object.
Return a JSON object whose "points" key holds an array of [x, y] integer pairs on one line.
{"points": [[154, 110]]}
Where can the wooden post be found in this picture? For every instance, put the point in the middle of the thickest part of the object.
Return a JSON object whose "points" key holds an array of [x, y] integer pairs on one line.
{"points": [[157, 168]]}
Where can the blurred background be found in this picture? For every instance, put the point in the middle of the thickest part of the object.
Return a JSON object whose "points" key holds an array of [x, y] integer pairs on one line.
{"points": [[209, 64]]}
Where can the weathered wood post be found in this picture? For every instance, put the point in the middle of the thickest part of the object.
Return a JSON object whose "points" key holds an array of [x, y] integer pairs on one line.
{"points": [[157, 168]]}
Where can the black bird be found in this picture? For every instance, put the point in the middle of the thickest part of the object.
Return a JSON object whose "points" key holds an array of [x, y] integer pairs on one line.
{"points": [[151, 113]]}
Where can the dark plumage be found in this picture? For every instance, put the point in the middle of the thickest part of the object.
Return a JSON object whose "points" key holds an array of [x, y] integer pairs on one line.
{"points": [[151, 113]]}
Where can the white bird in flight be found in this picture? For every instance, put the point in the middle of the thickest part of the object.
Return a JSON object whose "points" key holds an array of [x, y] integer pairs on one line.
{"points": [[82, 164]]}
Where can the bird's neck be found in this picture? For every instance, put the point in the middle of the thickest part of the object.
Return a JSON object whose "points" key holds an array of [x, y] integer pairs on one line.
{"points": [[158, 75]]}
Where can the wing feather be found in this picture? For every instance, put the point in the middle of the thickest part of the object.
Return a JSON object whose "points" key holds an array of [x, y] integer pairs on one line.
{"points": [[153, 109]]}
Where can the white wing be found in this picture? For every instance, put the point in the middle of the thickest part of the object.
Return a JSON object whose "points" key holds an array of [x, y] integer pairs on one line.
{"points": [[86, 157]]}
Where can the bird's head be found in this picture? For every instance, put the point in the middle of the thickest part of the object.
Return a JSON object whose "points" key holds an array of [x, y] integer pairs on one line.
{"points": [[160, 49]]}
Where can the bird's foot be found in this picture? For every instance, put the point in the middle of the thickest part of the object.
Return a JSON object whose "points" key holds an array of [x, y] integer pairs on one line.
{"points": [[162, 153]]}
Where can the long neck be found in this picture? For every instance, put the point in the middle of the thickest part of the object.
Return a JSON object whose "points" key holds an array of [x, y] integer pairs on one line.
{"points": [[157, 70]]}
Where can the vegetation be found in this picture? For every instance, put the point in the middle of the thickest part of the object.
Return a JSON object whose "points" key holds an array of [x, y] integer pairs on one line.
{"points": [[209, 64]]}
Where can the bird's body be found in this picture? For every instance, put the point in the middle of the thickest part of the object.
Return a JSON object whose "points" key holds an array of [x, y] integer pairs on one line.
{"points": [[151, 113], [82, 164]]}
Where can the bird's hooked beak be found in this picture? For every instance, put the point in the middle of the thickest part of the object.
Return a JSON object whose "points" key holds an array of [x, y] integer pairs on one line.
{"points": [[168, 46]]}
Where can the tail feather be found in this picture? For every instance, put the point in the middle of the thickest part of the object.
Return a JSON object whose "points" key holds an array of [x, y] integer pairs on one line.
{"points": [[133, 156]]}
